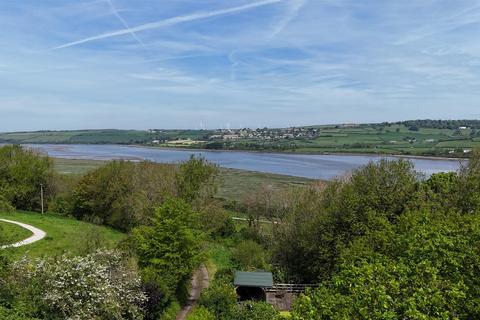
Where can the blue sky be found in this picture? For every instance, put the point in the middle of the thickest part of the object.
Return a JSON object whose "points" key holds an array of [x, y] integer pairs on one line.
{"points": [[230, 63]]}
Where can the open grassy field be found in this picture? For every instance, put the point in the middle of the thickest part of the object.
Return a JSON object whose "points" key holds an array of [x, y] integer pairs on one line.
{"points": [[76, 166], [80, 136], [234, 184], [393, 139], [105, 136], [11, 233], [63, 234]]}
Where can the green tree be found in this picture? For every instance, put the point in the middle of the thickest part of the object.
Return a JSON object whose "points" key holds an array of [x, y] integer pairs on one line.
{"points": [[196, 178], [469, 184], [22, 173], [442, 190], [322, 222], [122, 194], [168, 250], [424, 271]]}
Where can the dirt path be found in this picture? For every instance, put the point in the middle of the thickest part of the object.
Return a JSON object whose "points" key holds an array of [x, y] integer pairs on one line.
{"points": [[37, 234], [200, 281]]}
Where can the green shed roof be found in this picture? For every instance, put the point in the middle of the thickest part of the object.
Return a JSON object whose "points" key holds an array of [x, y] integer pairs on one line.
{"points": [[253, 279]]}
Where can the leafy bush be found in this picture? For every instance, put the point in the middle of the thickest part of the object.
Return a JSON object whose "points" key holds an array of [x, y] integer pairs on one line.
{"points": [[219, 298], [11, 314], [254, 311], [100, 285], [171, 312], [201, 313], [250, 256]]}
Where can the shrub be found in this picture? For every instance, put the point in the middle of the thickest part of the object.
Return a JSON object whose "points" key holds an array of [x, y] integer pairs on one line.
{"points": [[219, 299], [201, 313], [100, 285], [171, 312], [254, 311], [250, 256]]}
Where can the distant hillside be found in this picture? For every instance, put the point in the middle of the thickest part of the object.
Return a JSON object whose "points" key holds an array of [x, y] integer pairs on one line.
{"points": [[107, 136], [452, 138]]}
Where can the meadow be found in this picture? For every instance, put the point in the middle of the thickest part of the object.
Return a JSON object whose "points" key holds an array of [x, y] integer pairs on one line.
{"points": [[11, 233], [393, 139], [63, 234]]}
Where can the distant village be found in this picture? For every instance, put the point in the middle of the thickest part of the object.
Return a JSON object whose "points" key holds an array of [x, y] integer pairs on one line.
{"points": [[259, 134], [264, 134]]}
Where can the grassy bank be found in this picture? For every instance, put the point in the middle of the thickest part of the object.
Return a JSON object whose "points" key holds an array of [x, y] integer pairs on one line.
{"points": [[63, 234], [11, 233]]}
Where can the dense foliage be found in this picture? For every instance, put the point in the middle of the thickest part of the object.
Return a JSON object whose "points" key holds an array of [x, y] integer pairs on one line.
{"points": [[102, 285], [22, 174], [387, 244], [168, 252], [324, 221], [122, 194]]}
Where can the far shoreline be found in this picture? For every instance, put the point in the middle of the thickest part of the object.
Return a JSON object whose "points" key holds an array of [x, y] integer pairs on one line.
{"points": [[332, 153], [337, 153]]}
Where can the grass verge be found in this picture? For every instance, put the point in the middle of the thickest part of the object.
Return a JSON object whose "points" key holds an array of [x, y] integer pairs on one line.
{"points": [[63, 234], [11, 233]]}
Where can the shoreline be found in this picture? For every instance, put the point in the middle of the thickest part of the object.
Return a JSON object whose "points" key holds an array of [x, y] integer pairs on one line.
{"points": [[339, 153]]}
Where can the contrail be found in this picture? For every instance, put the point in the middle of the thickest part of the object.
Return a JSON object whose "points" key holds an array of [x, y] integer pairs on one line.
{"points": [[294, 7], [169, 22], [125, 24]]}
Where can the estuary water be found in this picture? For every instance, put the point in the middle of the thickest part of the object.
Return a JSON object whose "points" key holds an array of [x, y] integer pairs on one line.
{"points": [[323, 167]]}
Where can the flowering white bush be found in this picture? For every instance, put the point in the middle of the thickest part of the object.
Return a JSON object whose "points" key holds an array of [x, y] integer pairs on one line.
{"points": [[101, 285]]}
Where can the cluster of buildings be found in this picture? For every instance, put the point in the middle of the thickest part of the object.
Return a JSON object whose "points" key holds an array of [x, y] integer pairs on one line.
{"points": [[264, 134]]}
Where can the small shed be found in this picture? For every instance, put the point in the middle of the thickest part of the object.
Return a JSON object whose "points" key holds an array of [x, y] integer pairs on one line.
{"points": [[252, 285]]}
